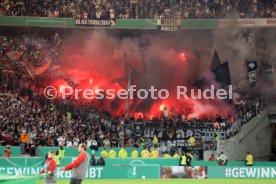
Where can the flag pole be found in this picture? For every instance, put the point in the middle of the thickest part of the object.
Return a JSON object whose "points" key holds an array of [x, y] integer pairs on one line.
{"points": [[128, 96]]}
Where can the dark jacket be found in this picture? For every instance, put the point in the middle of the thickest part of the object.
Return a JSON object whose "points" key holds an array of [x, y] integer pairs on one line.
{"points": [[101, 161]]}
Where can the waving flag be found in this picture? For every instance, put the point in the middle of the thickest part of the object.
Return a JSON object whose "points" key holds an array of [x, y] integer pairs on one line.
{"points": [[36, 71], [14, 55]]}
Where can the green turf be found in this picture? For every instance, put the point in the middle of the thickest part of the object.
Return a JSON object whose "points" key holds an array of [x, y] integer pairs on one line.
{"points": [[172, 181]]}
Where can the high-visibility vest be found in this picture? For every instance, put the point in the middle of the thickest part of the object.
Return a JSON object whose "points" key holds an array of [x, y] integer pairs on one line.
{"points": [[61, 153], [154, 154], [166, 155], [104, 154], [249, 159], [155, 140], [122, 153], [112, 154], [183, 160], [191, 141], [145, 153], [176, 155], [57, 159], [24, 137], [134, 154], [142, 142]]}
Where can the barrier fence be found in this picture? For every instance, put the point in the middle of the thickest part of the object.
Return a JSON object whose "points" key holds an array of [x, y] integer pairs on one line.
{"points": [[39, 161], [136, 23], [154, 172], [14, 149]]}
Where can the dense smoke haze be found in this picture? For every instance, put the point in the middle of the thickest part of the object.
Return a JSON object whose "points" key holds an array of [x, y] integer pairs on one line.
{"points": [[102, 60]]}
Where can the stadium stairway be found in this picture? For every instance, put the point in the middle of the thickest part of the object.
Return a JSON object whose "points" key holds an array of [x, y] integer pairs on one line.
{"points": [[255, 136]]}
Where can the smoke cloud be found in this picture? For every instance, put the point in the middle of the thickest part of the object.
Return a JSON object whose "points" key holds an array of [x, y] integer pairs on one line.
{"points": [[103, 59]]}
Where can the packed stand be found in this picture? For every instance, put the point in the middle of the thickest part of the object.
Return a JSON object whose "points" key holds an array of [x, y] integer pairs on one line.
{"points": [[141, 9], [29, 119]]}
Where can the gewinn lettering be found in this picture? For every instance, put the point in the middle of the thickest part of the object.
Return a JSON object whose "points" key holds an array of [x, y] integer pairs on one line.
{"points": [[251, 172]]}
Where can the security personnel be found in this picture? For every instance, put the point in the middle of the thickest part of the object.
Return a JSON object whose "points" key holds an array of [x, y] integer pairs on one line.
{"points": [[112, 153], [191, 141], [189, 158], [175, 155], [134, 153], [93, 161], [183, 160], [104, 153], [61, 152], [145, 153], [57, 158], [155, 141], [154, 153], [142, 142], [122, 153], [167, 155], [249, 159]]}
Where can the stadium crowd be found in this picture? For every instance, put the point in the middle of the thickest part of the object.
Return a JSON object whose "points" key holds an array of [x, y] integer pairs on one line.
{"points": [[29, 119], [140, 9]]}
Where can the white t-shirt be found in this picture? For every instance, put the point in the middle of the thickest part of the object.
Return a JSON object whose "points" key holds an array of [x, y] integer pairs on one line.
{"points": [[61, 141], [69, 144], [222, 157], [85, 15], [89, 143], [112, 13], [106, 143], [76, 142]]}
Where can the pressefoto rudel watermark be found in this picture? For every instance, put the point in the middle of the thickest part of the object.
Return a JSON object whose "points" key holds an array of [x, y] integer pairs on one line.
{"points": [[182, 92]]}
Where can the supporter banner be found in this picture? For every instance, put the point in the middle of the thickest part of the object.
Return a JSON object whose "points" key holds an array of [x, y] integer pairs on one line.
{"points": [[178, 136], [36, 71], [168, 24], [122, 172], [194, 172], [252, 71], [241, 172], [95, 22]]}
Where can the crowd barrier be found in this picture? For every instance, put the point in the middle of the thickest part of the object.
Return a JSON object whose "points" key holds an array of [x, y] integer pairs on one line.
{"points": [[119, 23], [154, 172], [39, 161], [14, 149], [137, 23]]}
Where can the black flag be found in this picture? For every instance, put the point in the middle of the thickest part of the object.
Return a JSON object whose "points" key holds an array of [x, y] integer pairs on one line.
{"points": [[215, 61], [222, 74], [252, 72]]}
